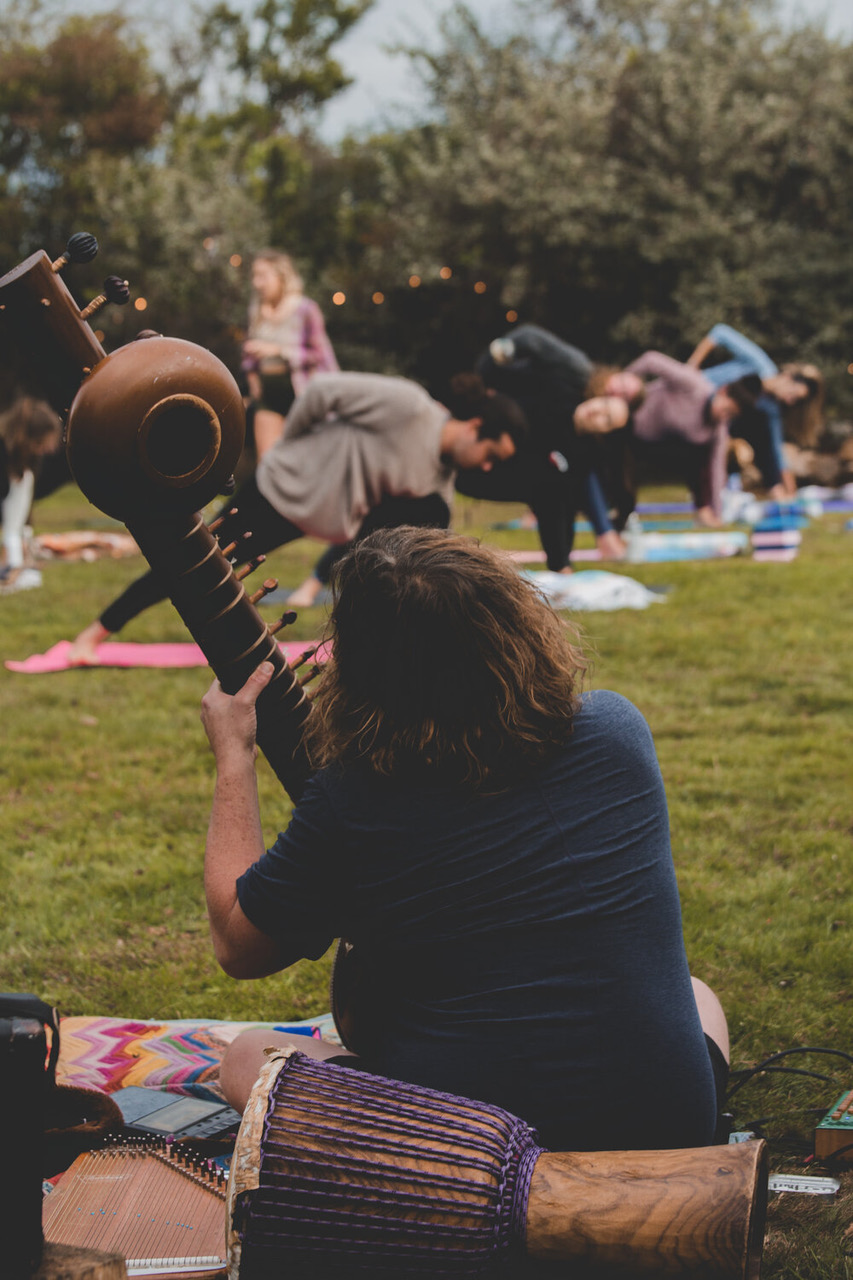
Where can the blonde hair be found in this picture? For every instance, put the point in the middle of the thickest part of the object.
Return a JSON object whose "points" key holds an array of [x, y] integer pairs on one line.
{"points": [[282, 264]]}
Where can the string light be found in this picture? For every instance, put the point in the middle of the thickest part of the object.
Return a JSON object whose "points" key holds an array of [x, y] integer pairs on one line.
{"points": [[446, 273], [378, 297], [140, 304], [100, 335], [208, 243], [480, 286], [339, 298], [512, 316], [414, 281], [236, 260]]}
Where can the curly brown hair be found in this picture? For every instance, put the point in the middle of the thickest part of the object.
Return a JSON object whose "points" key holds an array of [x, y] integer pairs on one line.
{"points": [[446, 664]]}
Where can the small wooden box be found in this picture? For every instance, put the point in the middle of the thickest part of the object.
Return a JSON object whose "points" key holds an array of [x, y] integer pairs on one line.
{"points": [[835, 1130]]}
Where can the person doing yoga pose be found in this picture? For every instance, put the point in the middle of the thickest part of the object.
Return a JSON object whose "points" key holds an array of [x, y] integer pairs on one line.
{"points": [[682, 420], [793, 394], [494, 844], [358, 451]]}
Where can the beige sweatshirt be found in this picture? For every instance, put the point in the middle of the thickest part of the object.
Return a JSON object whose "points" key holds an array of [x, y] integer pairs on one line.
{"points": [[351, 439]]}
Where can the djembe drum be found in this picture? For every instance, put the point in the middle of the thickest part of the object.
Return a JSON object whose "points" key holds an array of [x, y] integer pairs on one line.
{"points": [[338, 1172]]}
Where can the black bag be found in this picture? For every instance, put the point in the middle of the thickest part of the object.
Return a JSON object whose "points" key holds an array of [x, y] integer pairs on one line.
{"points": [[43, 1126], [27, 1069]]}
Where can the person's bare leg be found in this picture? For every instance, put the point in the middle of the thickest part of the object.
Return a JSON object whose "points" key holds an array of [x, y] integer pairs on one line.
{"points": [[84, 648], [711, 1015], [244, 1057], [306, 593], [268, 429]]}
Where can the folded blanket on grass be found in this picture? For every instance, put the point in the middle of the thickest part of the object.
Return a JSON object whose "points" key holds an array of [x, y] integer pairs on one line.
{"points": [[182, 1056]]}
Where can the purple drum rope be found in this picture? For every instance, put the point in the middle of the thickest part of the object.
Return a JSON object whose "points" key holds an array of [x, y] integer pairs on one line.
{"points": [[359, 1174]]}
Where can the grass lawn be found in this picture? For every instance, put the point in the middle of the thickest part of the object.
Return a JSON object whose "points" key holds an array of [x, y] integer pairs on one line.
{"points": [[744, 674]]}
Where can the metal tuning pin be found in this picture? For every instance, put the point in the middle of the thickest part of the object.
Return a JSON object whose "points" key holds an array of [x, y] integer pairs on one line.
{"points": [[229, 487], [284, 621], [116, 291], [249, 568], [81, 247], [270, 584]]}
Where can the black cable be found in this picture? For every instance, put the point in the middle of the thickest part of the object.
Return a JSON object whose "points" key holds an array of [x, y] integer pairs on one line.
{"points": [[781, 1071], [747, 1073]]}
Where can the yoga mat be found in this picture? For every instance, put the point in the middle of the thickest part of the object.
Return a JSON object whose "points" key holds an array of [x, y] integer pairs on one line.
{"points": [[118, 653], [659, 548]]}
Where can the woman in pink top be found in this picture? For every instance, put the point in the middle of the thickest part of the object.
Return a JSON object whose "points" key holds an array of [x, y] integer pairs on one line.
{"points": [[286, 345], [682, 414]]}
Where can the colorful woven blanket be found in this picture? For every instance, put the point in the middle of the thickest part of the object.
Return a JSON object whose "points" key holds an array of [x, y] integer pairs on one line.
{"points": [[182, 1056]]}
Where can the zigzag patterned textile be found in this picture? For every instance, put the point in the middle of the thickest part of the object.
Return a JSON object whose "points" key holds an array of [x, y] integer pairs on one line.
{"points": [[181, 1056]]}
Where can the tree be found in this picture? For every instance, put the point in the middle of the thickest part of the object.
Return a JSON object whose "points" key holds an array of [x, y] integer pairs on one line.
{"points": [[630, 171]]}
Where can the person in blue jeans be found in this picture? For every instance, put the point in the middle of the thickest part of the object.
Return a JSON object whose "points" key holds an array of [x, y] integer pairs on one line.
{"points": [[784, 389], [494, 845]]}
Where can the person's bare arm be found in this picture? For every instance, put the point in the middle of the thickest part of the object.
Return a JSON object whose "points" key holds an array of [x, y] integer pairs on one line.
{"points": [[235, 838], [703, 349]]}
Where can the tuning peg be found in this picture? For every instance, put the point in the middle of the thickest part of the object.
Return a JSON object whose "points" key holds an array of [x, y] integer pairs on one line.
{"points": [[284, 621], [249, 568], [116, 291], [310, 675], [232, 546], [300, 662], [81, 247], [220, 520], [270, 584], [229, 486]]}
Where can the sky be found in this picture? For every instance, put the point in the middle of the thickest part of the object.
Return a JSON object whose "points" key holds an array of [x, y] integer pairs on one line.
{"points": [[384, 88]]}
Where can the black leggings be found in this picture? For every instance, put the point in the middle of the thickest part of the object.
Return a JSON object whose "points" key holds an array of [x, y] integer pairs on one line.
{"points": [[258, 528]]}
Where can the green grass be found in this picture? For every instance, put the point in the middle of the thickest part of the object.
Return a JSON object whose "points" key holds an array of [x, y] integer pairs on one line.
{"points": [[745, 677]]}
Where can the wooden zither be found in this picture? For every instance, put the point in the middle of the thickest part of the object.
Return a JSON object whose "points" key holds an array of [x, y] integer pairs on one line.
{"points": [[162, 1210], [153, 433]]}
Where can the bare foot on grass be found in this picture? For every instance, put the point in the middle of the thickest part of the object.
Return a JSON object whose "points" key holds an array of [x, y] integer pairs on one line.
{"points": [[306, 594], [84, 648], [611, 546]]}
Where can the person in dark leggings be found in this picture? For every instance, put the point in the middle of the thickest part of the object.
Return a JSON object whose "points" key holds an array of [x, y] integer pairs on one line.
{"points": [[359, 451], [555, 474]]}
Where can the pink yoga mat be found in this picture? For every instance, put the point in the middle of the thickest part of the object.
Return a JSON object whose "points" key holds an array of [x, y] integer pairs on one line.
{"points": [[119, 653]]}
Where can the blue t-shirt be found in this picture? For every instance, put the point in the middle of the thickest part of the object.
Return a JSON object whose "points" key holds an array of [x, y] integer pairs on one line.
{"points": [[527, 946]]}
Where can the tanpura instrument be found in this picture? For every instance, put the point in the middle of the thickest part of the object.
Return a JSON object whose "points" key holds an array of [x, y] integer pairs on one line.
{"points": [[153, 433], [336, 1170]]}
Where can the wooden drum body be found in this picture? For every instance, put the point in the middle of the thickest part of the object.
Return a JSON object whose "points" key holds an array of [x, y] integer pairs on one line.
{"points": [[337, 1172]]}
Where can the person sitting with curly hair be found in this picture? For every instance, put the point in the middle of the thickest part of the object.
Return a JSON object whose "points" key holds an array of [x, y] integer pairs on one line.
{"points": [[493, 843]]}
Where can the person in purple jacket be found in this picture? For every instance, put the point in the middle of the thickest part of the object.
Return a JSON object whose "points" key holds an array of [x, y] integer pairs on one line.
{"points": [[684, 418]]}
